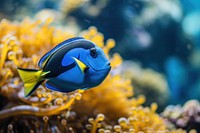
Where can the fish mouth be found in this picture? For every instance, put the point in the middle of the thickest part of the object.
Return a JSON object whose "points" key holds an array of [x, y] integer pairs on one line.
{"points": [[108, 67]]}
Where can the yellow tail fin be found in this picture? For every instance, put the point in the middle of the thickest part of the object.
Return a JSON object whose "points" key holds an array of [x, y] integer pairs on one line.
{"points": [[32, 79]]}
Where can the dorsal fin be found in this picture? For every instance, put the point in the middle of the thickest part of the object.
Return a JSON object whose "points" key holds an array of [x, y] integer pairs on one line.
{"points": [[47, 56]]}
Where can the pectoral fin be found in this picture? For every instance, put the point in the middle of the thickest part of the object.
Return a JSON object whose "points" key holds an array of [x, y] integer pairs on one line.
{"points": [[81, 65]]}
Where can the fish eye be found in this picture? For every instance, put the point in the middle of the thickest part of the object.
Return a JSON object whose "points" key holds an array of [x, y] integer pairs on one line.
{"points": [[93, 52]]}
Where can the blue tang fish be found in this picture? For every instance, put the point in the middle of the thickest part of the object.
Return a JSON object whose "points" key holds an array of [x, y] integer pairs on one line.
{"points": [[74, 64]]}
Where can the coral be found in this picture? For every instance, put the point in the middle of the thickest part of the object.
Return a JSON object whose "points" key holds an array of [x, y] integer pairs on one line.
{"points": [[141, 120], [182, 131], [22, 44], [186, 117], [87, 7], [114, 87], [148, 82], [69, 5], [159, 9]]}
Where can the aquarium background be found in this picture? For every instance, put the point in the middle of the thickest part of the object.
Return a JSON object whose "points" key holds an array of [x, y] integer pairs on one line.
{"points": [[154, 48]]}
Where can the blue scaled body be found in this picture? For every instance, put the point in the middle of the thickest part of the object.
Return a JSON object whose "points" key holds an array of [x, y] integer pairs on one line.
{"points": [[74, 64]]}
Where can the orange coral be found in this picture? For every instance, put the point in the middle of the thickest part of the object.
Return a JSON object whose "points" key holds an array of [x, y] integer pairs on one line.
{"points": [[21, 46]]}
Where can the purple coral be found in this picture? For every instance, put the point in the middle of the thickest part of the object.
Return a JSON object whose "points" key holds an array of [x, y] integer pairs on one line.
{"points": [[186, 117]]}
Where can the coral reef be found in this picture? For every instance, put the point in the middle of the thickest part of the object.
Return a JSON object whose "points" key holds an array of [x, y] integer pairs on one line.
{"points": [[140, 120], [69, 5], [186, 117], [22, 44], [147, 82]]}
